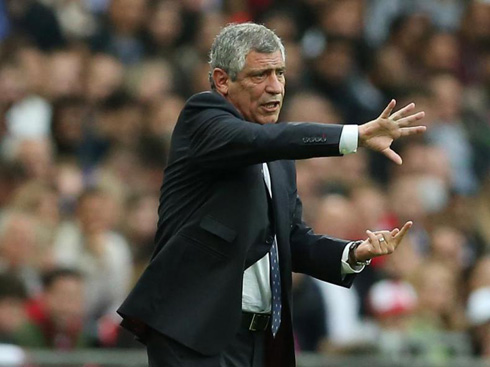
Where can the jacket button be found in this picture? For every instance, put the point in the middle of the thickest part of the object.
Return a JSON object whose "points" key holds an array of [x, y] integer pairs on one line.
{"points": [[269, 240]]}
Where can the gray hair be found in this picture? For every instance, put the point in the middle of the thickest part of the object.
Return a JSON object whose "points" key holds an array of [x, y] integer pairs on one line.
{"points": [[232, 45]]}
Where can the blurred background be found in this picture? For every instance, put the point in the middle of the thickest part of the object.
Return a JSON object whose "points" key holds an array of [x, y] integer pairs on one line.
{"points": [[90, 91]]}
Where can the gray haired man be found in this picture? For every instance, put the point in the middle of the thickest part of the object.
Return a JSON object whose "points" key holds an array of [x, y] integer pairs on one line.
{"points": [[217, 291]]}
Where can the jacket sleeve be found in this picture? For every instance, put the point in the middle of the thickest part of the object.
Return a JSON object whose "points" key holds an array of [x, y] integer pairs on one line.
{"points": [[319, 256], [218, 139]]}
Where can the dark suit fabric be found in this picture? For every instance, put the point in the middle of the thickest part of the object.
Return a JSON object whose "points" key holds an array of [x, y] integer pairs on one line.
{"points": [[246, 349], [214, 222]]}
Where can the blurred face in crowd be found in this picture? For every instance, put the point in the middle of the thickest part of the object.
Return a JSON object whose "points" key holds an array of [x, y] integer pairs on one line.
{"points": [[12, 84], [92, 213], [64, 301], [480, 276], [284, 26], [336, 216], [370, 204], [12, 315], [127, 16], [155, 80], [336, 62], [66, 69], [309, 106], [442, 52], [209, 26], [477, 20], [343, 18], [448, 246], [36, 157], [258, 90], [390, 70], [104, 75], [165, 23], [447, 92], [405, 199], [436, 288], [18, 242], [142, 217], [163, 114]]}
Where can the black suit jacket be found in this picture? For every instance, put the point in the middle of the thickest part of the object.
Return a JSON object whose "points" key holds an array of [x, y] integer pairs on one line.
{"points": [[214, 222]]}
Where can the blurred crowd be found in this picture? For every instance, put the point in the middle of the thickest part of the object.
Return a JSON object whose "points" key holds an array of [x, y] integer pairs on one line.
{"points": [[90, 91]]}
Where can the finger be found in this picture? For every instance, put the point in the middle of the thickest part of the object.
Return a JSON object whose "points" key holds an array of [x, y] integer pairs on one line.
{"points": [[394, 232], [407, 131], [373, 239], [387, 112], [388, 245], [391, 154], [385, 242], [399, 236], [400, 113], [408, 120]]}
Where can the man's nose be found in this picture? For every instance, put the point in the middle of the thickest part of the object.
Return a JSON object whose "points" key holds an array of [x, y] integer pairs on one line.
{"points": [[274, 85]]}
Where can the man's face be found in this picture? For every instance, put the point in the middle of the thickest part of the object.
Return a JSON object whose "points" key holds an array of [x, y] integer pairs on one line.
{"points": [[258, 90]]}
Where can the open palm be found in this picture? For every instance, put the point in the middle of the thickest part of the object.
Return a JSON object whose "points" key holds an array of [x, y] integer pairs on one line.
{"points": [[378, 134]]}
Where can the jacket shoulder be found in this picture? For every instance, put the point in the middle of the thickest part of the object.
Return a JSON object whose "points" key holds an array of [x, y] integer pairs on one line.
{"points": [[209, 100]]}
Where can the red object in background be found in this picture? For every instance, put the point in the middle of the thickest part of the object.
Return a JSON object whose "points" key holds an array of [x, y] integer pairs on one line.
{"points": [[392, 297], [34, 309], [259, 6], [378, 262], [254, 9], [108, 331], [240, 17], [65, 339], [388, 221]]}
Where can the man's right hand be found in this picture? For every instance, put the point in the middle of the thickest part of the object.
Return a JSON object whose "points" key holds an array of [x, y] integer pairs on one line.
{"points": [[378, 134]]}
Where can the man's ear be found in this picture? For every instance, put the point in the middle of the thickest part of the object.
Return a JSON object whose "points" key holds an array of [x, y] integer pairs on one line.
{"points": [[221, 80]]}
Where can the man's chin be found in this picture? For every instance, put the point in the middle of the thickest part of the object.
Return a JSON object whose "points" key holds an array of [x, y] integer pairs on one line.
{"points": [[270, 119]]}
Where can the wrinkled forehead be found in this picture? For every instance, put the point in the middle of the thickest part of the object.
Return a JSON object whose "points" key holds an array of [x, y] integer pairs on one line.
{"points": [[261, 60]]}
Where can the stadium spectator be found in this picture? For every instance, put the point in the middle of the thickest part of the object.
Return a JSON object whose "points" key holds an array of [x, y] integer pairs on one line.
{"points": [[19, 249], [64, 129], [57, 315], [13, 316], [90, 245]]}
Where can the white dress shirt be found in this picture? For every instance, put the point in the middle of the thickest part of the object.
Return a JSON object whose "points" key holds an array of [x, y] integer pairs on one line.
{"points": [[256, 296]]}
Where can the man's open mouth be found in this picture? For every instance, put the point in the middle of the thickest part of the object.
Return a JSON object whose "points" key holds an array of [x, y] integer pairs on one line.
{"points": [[271, 106]]}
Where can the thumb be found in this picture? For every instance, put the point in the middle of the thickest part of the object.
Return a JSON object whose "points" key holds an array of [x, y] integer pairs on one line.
{"points": [[391, 154]]}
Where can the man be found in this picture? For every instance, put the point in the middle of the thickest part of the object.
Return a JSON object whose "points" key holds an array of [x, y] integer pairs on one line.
{"points": [[213, 293], [57, 318], [13, 296]]}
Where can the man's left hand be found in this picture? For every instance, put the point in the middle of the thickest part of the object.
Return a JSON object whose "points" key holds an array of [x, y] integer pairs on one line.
{"points": [[381, 243]]}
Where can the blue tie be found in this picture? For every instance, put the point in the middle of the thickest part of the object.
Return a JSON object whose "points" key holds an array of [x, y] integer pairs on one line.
{"points": [[275, 274], [276, 289]]}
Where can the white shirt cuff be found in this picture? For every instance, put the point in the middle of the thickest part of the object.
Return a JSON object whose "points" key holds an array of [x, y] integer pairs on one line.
{"points": [[349, 139], [346, 268]]}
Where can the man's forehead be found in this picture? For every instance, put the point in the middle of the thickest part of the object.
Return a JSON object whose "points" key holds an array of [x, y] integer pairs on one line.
{"points": [[260, 60]]}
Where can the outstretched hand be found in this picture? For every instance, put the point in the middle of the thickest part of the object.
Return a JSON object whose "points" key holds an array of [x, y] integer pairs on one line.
{"points": [[381, 243], [378, 134]]}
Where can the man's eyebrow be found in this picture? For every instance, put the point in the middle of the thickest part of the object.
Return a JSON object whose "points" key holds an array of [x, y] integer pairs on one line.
{"points": [[261, 70]]}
